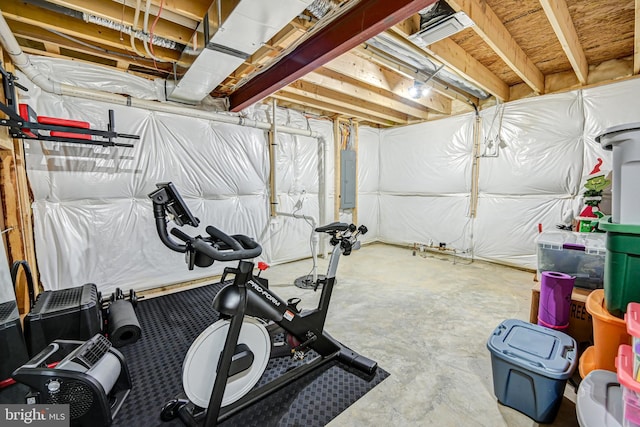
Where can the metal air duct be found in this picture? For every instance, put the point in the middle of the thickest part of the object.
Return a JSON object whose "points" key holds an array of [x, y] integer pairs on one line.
{"points": [[231, 32]]}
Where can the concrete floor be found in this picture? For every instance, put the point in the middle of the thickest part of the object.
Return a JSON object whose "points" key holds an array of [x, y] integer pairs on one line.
{"points": [[426, 321]]}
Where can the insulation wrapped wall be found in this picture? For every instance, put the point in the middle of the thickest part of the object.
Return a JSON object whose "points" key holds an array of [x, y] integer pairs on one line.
{"points": [[94, 221], [545, 152]]}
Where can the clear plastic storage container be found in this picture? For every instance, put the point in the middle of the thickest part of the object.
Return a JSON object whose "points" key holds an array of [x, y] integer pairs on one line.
{"points": [[581, 255]]}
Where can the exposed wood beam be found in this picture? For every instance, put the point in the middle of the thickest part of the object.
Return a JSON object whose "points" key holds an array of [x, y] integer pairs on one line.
{"points": [[116, 13], [31, 32], [379, 78], [493, 32], [369, 54], [169, 15], [314, 92], [364, 20], [331, 79], [278, 43], [94, 34], [560, 19], [301, 100], [636, 40], [457, 59], [194, 9], [123, 67], [51, 47]]}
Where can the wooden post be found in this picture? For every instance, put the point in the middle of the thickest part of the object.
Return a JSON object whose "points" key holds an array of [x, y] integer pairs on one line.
{"points": [[273, 197], [337, 145], [354, 211], [16, 205]]}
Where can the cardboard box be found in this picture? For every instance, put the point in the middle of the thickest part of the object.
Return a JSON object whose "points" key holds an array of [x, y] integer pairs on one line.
{"points": [[580, 322]]}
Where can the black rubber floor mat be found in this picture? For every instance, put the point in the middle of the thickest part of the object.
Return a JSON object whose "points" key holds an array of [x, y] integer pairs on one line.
{"points": [[169, 326]]}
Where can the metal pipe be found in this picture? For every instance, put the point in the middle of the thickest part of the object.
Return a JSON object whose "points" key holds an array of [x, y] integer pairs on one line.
{"points": [[314, 239], [273, 142], [22, 62]]}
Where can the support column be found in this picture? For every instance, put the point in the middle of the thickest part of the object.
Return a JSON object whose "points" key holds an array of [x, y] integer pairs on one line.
{"points": [[16, 205]]}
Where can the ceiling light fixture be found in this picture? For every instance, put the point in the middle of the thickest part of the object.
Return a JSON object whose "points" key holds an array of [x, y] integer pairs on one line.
{"points": [[415, 91]]}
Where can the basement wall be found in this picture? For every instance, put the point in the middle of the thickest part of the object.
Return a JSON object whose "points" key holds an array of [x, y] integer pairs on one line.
{"points": [[94, 221], [546, 150]]}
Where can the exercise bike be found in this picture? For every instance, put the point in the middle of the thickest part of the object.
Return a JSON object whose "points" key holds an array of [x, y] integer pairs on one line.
{"points": [[224, 364]]}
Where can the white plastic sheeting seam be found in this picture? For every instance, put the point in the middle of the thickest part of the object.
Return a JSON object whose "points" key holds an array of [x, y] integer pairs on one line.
{"points": [[93, 220], [546, 149]]}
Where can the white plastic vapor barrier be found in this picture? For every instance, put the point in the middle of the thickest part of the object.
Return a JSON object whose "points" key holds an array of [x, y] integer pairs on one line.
{"points": [[539, 150], [94, 221], [535, 156], [409, 219], [605, 107], [506, 227], [111, 80], [368, 181], [428, 158]]}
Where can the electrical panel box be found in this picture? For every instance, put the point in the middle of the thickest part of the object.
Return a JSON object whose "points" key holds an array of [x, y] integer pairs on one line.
{"points": [[347, 179]]}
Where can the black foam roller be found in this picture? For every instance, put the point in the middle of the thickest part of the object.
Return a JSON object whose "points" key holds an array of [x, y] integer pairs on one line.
{"points": [[124, 327]]}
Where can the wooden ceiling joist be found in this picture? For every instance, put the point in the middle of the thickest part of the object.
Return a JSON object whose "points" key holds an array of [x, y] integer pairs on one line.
{"points": [[369, 74], [91, 33], [409, 73], [362, 21], [331, 79], [330, 96], [168, 14], [124, 15], [266, 53], [457, 59], [329, 108], [53, 43], [636, 39], [560, 19], [493, 32]]}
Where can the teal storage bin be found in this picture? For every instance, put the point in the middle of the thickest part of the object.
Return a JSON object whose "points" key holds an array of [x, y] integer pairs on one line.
{"points": [[531, 365], [621, 266]]}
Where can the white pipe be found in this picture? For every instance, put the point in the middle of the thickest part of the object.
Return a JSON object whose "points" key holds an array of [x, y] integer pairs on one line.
{"points": [[21, 60], [145, 28], [314, 239], [324, 194], [132, 38]]}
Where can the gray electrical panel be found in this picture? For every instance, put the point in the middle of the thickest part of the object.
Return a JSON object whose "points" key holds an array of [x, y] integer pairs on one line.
{"points": [[347, 179]]}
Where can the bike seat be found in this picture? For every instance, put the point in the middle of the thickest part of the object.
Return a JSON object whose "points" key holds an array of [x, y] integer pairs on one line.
{"points": [[333, 227]]}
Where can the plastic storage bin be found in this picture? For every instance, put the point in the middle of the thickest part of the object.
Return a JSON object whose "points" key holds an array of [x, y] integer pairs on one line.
{"points": [[624, 142], [581, 255], [632, 319], [622, 266], [530, 366], [609, 332], [599, 400], [630, 388]]}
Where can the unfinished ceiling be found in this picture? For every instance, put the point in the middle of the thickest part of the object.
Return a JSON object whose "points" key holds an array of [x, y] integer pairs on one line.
{"points": [[326, 58]]}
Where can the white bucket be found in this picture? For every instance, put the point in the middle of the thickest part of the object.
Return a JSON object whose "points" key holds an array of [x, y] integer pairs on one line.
{"points": [[624, 141]]}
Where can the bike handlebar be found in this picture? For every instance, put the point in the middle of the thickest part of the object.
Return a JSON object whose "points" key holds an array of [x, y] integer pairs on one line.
{"points": [[223, 247]]}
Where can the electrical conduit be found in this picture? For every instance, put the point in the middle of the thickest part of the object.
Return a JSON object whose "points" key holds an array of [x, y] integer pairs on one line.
{"points": [[22, 62]]}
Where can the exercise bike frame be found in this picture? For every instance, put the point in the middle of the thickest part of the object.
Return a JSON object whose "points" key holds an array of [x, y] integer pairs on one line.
{"points": [[247, 296]]}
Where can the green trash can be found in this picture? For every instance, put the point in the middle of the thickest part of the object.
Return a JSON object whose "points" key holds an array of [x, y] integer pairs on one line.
{"points": [[621, 266]]}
